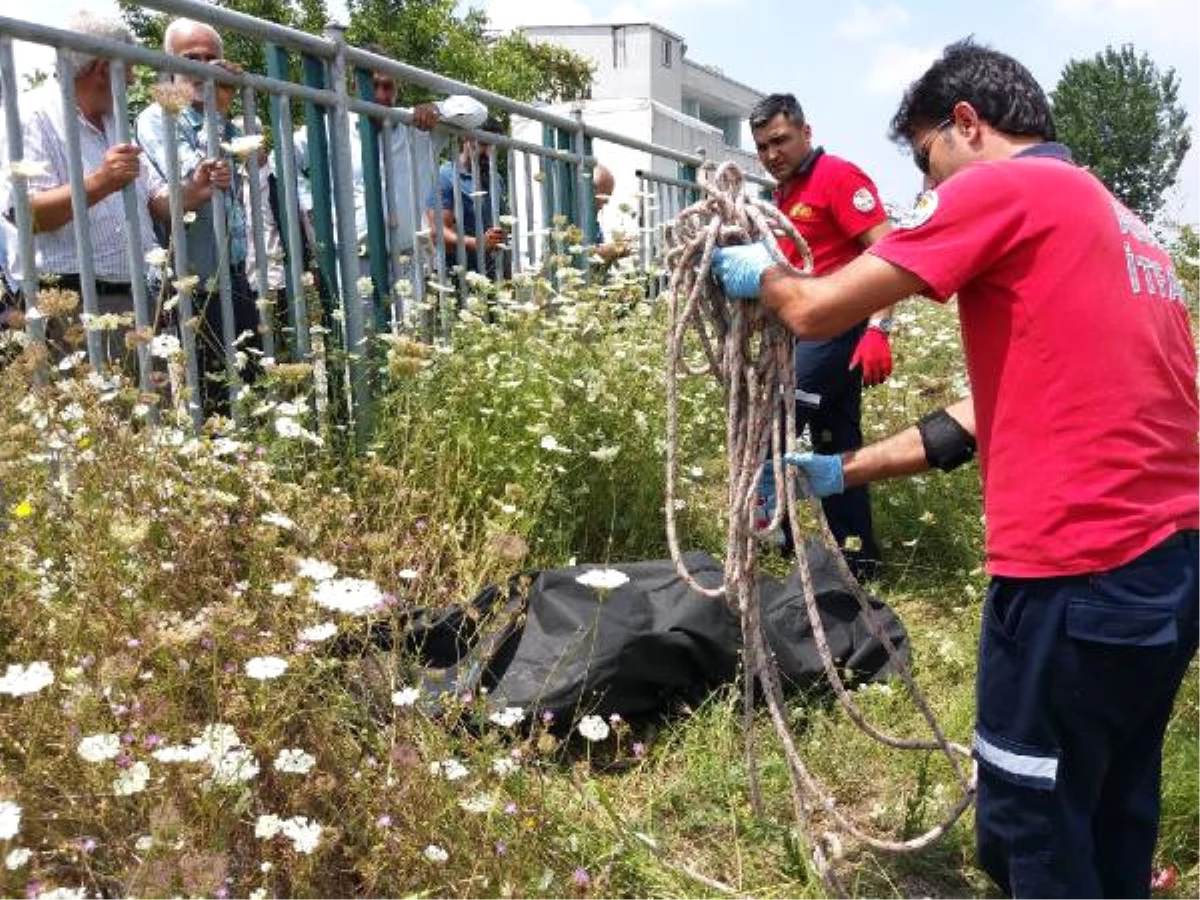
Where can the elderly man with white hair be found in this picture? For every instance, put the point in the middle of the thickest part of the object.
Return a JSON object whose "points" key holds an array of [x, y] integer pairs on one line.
{"points": [[109, 166], [155, 129]]}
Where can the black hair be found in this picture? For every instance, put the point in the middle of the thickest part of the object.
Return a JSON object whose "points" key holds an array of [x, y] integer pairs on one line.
{"points": [[1002, 91], [771, 106], [493, 126]]}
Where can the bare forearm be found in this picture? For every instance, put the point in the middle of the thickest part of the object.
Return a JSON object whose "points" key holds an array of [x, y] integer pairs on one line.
{"points": [[160, 207], [830, 305], [451, 237], [894, 457], [51, 209], [901, 454]]}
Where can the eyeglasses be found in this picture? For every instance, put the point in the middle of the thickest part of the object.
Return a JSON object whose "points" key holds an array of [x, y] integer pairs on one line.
{"points": [[201, 57], [921, 154]]}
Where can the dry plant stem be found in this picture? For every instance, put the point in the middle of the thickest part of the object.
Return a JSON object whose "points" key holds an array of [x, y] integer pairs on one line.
{"points": [[752, 356]]}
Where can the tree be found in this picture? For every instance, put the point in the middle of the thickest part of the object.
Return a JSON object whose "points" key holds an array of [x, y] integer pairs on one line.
{"points": [[430, 35], [304, 15], [1185, 253], [1123, 119]]}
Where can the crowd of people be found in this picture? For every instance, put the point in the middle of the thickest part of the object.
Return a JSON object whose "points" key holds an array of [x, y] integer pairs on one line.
{"points": [[221, 256], [1083, 407]]}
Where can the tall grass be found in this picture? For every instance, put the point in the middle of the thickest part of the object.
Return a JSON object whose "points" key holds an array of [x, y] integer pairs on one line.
{"points": [[159, 576]]}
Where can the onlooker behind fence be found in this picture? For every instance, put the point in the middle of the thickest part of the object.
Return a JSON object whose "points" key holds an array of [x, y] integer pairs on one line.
{"points": [[201, 43], [603, 184], [270, 198], [108, 167], [405, 184], [8, 287], [476, 205]]}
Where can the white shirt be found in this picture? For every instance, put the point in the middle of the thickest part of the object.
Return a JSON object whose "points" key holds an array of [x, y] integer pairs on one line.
{"points": [[460, 110], [271, 239], [43, 134]]}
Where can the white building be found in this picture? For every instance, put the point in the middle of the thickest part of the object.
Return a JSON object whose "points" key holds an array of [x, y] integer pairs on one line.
{"points": [[644, 86]]}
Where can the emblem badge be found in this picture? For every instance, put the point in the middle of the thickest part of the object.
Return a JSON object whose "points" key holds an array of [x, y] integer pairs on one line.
{"points": [[920, 213], [864, 200]]}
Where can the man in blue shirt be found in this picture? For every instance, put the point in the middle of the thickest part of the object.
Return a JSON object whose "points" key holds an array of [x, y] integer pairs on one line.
{"points": [[476, 202], [200, 42]]}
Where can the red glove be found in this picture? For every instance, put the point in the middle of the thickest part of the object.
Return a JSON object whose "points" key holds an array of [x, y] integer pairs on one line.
{"points": [[874, 354]]}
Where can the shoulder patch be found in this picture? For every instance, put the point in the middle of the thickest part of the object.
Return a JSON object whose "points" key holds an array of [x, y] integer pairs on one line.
{"points": [[800, 211], [864, 200], [920, 213]]}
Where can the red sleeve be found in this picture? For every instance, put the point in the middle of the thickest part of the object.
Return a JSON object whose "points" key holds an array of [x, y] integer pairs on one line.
{"points": [[853, 199], [959, 231]]}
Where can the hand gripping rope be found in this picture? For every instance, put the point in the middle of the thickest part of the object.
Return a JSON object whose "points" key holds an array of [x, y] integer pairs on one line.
{"points": [[751, 355]]}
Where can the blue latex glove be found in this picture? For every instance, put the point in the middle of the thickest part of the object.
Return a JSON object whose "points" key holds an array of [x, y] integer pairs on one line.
{"points": [[739, 268], [824, 472]]}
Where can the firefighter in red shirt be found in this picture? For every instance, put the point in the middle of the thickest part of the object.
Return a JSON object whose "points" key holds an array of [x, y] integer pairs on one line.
{"points": [[1083, 375], [836, 208]]}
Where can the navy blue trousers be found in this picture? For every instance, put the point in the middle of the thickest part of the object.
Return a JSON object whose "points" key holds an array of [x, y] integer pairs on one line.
{"points": [[1077, 677], [829, 405]]}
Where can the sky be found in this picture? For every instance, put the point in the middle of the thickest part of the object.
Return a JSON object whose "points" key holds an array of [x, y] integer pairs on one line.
{"points": [[849, 62]]}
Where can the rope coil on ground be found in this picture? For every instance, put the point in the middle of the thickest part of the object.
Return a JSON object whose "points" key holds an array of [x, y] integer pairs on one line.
{"points": [[751, 355]]}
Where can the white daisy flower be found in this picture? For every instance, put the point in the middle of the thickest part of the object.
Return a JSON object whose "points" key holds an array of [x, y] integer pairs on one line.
{"points": [[507, 717], [450, 769], [435, 854], [406, 696], [99, 747], [279, 520], [132, 780], [316, 633], [304, 834], [10, 819], [20, 680], [294, 761], [264, 668], [478, 803], [602, 579], [593, 728], [353, 596], [315, 569]]}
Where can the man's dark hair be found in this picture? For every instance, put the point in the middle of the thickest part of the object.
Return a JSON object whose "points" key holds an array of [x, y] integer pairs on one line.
{"points": [[1003, 92], [769, 107], [492, 125]]}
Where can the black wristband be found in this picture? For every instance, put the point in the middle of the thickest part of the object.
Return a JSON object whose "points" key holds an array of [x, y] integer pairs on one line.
{"points": [[947, 444]]}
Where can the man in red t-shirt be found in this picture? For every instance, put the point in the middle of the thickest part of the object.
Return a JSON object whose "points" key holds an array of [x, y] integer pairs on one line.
{"points": [[836, 208], [1083, 376]]}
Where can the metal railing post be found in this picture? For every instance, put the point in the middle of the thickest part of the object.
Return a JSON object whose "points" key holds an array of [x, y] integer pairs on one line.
{"points": [[185, 312], [35, 325], [79, 209], [265, 305], [357, 348], [131, 200], [369, 137], [229, 333], [289, 203], [320, 185]]}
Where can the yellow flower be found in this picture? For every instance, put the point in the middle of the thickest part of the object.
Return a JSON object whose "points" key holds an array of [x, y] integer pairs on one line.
{"points": [[23, 510]]}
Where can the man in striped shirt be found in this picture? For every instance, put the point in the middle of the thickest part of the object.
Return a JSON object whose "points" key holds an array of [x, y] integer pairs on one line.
{"points": [[108, 167]]}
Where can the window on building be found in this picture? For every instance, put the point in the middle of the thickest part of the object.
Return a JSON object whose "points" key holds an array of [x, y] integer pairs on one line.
{"points": [[666, 53], [618, 47]]}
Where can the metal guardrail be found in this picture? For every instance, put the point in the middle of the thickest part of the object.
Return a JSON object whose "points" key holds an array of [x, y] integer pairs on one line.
{"points": [[356, 296]]}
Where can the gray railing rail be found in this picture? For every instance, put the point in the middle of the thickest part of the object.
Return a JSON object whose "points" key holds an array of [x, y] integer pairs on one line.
{"points": [[396, 294]]}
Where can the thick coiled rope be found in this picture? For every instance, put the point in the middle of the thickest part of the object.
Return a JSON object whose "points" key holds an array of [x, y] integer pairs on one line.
{"points": [[751, 355]]}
